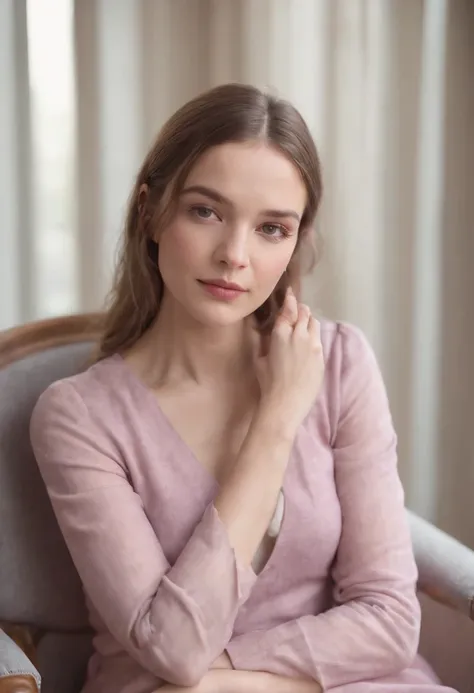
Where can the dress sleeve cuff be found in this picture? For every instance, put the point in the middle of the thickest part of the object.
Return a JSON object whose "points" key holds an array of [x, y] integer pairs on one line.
{"points": [[282, 650], [210, 556]]}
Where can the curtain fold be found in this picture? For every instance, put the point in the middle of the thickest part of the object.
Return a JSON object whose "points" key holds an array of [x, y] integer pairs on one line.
{"points": [[16, 263]]}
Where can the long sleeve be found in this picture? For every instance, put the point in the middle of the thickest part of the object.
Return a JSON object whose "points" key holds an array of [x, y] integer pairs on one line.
{"points": [[174, 620], [373, 629]]}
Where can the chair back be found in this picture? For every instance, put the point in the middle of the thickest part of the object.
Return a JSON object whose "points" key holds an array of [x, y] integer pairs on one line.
{"points": [[40, 587]]}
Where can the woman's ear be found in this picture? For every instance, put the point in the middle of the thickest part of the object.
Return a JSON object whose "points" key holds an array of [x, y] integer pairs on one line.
{"points": [[142, 198], [144, 213]]}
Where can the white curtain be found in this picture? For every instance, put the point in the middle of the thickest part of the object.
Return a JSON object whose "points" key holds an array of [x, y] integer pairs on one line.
{"points": [[387, 90]]}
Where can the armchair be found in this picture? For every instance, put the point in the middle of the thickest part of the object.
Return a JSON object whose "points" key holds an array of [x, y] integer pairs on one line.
{"points": [[40, 589]]}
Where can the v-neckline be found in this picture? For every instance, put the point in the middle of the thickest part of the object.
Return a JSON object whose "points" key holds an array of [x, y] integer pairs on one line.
{"points": [[136, 382], [164, 419]]}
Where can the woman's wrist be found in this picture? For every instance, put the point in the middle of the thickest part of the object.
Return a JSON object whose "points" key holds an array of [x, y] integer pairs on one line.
{"points": [[235, 681], [271, 418], [264, 682], [232, 681], [273, 683]]}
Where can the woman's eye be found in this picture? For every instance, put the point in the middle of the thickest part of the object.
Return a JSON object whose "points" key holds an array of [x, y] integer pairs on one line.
{"points": [[202, 212], [274, 230]]}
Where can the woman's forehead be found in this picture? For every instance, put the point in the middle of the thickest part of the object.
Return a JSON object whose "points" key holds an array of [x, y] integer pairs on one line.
{"points": [[250, 171]]}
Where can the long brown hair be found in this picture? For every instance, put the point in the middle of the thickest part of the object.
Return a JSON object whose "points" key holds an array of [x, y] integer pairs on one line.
{"points": [[228, 113]]}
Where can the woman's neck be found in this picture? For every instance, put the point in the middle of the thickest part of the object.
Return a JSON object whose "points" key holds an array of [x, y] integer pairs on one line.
{"points": [[177, 349]]}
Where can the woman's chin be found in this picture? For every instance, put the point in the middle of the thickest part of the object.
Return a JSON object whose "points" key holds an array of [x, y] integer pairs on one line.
{"points": [[221, 315]]}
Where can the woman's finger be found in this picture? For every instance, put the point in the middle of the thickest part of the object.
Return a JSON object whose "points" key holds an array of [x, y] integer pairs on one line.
{"points": [[289, 309], [314, 329], [304, 316]]}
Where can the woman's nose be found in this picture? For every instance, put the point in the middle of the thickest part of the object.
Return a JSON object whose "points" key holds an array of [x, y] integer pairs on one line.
{"points": [[233, 249]]}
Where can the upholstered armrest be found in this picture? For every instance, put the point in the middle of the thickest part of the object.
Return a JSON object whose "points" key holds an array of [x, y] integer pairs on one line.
{"points": [[446, 567], [17, 674]]}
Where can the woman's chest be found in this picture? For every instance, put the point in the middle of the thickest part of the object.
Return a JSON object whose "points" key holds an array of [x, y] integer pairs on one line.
{"points": [[208, 430], [175, 488]]}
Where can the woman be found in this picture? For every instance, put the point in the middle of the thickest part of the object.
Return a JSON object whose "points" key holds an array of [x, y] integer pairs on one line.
{"points": [[225, 474]]}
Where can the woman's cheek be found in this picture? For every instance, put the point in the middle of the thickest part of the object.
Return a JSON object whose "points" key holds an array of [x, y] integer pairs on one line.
{"points": [[182, 245], [273, 269]]}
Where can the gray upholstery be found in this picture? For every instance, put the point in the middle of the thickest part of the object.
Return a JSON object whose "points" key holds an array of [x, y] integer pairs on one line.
{"points": [[62, 661], [447, 642], [446, 569], [39, 584], [13, 661], [445, 566]]}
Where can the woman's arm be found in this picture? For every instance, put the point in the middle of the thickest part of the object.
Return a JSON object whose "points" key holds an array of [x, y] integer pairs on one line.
{"points": [[290, 376], [375, 627], [175, 619], [225, 681]]}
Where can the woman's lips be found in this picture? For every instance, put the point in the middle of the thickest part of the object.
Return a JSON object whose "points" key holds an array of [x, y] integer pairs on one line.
{"points": [[224, 293]]}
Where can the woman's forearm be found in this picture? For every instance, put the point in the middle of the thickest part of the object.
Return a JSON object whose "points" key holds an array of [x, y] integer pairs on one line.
{"points": [[272, 683], [231, 681], [290, 372], [248, 497]]}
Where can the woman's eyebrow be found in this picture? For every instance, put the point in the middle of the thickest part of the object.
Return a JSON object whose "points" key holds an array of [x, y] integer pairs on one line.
{"points": [[208, 192], [218, 197]]}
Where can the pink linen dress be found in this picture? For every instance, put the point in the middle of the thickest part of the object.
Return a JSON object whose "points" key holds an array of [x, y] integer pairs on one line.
{"points": [[335, 601]]}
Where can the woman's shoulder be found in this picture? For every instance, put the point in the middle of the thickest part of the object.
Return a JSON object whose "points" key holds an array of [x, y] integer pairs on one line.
{"points": [[93, 391], [344, 345], [353, 391], [84, 414], [351, 369]]}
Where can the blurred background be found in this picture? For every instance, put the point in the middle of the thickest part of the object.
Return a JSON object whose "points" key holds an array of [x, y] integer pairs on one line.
{"points": [[387, 89]]}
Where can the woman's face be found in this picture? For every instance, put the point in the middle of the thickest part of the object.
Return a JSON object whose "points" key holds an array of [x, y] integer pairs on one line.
{"points": [[236, 224]]}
